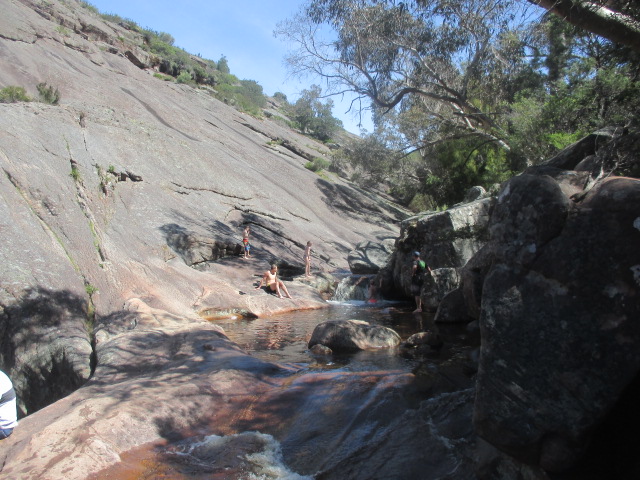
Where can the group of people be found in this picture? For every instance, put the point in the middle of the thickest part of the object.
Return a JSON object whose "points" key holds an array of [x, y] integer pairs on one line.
{"points": [[271, 281], [270, 278]]}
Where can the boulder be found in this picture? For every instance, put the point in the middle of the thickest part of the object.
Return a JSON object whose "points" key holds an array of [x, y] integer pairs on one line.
{"points": [[446, 240], [474, 193], [558, 318], [369, 257], [352, 336], [571, 156], [452, 308], [436, 286]]}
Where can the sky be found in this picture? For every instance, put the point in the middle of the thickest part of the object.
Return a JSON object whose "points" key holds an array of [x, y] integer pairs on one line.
{"points": [[241, 30]]}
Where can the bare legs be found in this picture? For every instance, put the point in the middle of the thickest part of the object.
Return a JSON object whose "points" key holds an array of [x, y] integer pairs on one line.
{"points": [[418, 304], [277, 286]]}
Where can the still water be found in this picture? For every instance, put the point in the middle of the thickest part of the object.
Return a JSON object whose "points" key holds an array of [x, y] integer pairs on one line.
{"points": [[284, 338]]}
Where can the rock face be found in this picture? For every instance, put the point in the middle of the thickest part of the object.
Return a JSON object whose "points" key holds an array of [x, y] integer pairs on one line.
{"points": [[370, 257], [558, 319], [446, 241], [111, 197], [353, 335], [557, 290]]}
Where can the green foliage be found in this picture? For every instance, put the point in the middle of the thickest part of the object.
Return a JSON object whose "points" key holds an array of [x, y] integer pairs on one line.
{"points": [[313, 116], [223, 65], [184, 77], [63, 31], [244, 94], [317, 164], [12, 94], [75, 173], [280, 97], [166, 78], [48, 94], [89, 6], [90, 289], [455, 166]]}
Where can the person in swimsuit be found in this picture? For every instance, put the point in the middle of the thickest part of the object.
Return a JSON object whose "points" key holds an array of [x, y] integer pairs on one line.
{"points": [[307, 260], [272, 282], [245, 241]]}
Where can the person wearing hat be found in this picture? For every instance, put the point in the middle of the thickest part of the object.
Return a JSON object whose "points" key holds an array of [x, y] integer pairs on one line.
{"points": [[8, 412], [417, 279]]}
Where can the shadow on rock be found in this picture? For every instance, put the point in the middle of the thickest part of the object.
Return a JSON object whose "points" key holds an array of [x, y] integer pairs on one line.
{"points": [[46, 345]]}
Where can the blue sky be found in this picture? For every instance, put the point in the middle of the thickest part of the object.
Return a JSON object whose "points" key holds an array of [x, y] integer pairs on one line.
{"points": [[241, 30]]}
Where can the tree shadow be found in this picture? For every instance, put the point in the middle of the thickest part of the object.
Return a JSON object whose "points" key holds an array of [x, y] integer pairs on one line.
{"points": [[58, 324], [357, 203], [195, 248]]}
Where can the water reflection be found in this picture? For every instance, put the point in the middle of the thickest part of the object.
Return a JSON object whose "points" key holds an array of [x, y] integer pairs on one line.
{"points": [[284, 338]]}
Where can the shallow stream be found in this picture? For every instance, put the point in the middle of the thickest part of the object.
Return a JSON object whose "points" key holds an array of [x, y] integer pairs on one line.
{"points": [[344, 407]]}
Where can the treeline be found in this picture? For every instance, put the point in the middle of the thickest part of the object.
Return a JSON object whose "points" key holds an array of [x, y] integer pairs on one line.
{"points": [[463, 92]]}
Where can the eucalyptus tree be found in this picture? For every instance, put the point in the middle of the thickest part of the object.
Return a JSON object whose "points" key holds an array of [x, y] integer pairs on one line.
{"points": [[616, 20], [427, 59]]}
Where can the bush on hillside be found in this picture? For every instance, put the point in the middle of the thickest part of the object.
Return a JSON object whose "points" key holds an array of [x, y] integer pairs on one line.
{"points": [[12, 94], [317, 164], [48, 94]]}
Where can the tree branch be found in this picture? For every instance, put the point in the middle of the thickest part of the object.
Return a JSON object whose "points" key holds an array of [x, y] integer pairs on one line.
{"points": [[598, 19]]}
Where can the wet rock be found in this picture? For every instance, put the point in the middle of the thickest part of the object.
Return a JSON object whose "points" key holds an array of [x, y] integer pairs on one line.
{"points": [[423, 338], [319, 349], [353, 335]]}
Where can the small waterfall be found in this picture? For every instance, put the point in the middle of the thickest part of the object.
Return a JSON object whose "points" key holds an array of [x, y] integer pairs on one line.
{"points": [[353, 287]]}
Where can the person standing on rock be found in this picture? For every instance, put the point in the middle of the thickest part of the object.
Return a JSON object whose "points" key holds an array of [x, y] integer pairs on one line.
{"points": [[271, 281], [418, 269], [307, 260], [245, 242], [8, 412]]}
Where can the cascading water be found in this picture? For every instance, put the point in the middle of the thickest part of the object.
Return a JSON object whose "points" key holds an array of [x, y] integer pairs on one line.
{"points": [[353, 287]]}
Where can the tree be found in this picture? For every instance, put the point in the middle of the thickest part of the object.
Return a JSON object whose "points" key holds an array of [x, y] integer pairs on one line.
{"points": [[416, 55], [616, 20], [313, 116], [223, 65]]}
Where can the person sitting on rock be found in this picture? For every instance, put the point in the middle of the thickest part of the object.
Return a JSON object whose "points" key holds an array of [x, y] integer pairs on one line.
{"points": [[8, 412], [272, 282]]}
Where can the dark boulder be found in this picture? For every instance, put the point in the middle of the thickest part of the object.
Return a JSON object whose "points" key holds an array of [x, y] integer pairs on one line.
{"points": [[558, 321], [352, 336]]}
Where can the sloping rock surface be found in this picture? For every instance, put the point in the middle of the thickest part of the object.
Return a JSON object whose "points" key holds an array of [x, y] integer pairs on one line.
{"points": [[124, 204]]}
